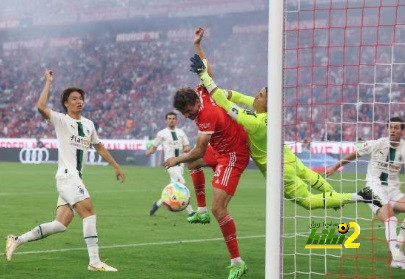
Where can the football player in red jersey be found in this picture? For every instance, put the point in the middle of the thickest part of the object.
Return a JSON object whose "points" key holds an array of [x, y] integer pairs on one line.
{"points": [[222, 145]]}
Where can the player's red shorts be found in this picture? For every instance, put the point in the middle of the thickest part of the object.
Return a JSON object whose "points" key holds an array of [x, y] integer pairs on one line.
{"points": [[227, 168]]}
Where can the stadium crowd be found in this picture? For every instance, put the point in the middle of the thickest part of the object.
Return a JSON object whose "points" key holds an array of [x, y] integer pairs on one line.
{"points": [[329, 94]]}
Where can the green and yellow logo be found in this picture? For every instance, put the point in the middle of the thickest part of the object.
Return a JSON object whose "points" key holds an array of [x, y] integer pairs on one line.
{"points": [[328, 239]]}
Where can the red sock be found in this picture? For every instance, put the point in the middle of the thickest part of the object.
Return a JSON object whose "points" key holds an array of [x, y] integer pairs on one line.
{"points": [[228, 229], [197, 175]]}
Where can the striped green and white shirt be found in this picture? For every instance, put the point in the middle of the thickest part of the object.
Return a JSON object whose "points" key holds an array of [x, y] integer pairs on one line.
{"points": [[172, 141], [74, 139], [385, 162]]}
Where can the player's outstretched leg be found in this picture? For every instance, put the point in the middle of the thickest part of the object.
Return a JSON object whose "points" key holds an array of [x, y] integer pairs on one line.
{"points": [[316, 180], [236, 271], [37, 233]]}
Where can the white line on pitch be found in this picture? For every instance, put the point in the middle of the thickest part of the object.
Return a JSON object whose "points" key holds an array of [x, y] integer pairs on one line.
{"points": [[91, 192], [136, 245]]}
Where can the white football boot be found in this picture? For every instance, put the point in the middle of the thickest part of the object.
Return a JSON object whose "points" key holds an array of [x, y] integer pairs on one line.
{"points": [[101, 267], [11, 246]]}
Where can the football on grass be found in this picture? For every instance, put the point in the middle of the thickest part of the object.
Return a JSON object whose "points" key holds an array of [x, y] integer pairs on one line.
{"points": [[176, 196]]}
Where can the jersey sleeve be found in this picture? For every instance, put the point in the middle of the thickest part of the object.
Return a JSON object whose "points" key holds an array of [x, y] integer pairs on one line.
{"points": [[242, 99], [94, 136], [207, 122], [246, 118], [367, 147], [158, 139], [56, 118]]}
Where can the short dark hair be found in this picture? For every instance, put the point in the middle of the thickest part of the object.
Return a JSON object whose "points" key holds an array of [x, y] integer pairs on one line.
{"points": [[170, 113], [66, 93], [184, 97], [396, 119]]}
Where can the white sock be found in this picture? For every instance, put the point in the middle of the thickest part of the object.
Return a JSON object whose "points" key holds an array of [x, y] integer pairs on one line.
{"points": [[41, 231], [236, 261], [91, 238], [202, 210], [159, 202], [401, 234], [356, 197], [189, 209], [391, 235]]}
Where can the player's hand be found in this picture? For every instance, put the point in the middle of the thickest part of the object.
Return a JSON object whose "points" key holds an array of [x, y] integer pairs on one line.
{"points": [[48, 75], [120, 174], [171, 162], [197, 65], [199, 34]]}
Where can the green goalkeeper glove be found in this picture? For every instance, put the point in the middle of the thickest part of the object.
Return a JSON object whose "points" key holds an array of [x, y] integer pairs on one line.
{"points": [[199, 67]]}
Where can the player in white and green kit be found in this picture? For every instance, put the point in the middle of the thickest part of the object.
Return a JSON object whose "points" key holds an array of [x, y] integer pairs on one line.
{"points": [[387, 157], [174, 142], [75, 134], [297, 176]]}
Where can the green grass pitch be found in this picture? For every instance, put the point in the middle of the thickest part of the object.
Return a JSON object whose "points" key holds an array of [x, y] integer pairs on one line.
{"points": [[165, 245], [140, 246]]}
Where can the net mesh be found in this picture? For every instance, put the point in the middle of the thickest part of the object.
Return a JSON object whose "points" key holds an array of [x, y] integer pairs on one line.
{"points": [[344, 77]]}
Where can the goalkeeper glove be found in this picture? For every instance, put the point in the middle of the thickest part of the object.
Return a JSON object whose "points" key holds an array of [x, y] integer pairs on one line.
{"points": [[199, 67]]}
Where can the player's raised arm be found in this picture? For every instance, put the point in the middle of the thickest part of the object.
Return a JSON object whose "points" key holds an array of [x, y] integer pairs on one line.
{"points": [[41, 105], [199, 34], [244, 117]]}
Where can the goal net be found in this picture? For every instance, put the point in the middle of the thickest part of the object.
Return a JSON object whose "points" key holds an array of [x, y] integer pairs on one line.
{"points": [[344, 78]]}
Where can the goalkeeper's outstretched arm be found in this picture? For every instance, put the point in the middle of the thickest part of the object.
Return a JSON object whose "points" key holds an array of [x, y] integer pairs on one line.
{"points": [[246, 118]]}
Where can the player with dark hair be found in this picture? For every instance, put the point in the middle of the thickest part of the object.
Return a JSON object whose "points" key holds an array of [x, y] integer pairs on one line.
{"points": [[387, 157], [75, 134], [222, 145]]}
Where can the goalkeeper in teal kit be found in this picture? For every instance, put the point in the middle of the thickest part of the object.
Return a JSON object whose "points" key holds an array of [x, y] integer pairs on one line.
{"points": [[297, 176]]}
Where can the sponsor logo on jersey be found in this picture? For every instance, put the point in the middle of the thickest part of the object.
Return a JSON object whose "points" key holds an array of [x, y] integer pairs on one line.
{"points": [[80, 142], [385, 165], [204, 125]]}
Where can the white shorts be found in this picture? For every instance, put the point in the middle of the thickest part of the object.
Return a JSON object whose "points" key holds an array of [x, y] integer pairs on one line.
{"points": [[386, 195], [176, 174], [71, 190]]}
